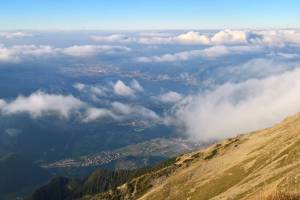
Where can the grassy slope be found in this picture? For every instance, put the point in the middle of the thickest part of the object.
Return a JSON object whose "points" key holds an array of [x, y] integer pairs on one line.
{"points": [[246, 167]]}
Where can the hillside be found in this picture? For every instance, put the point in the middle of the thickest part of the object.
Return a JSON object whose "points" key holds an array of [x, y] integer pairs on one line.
{"points": [[19, 176], [249, 166]]}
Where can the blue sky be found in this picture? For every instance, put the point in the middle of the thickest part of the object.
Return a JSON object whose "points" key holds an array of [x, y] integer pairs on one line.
{"points": [[148, 14]]}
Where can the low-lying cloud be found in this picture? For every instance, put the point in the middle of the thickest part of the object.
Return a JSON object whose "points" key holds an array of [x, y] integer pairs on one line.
{"points": [[223, 37], [13, 35], [39, 104], [121, 89], [18, 53], [169, 97], [92, 50], [242, 107], [209, 53]]}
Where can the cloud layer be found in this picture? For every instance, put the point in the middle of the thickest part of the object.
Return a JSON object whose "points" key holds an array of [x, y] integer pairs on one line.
{"points": [[121, 89], [40, 103], [223, 37], [13, 35], [92, 50], [209, 53], [242, 107], [169, 97], [17, 53]]}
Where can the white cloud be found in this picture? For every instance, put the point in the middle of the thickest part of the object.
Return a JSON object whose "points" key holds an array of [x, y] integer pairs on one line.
{"points": [[229, 37], [181, 56], [275, 37], [2, 104], [133, 110], [237, 108], [120, 111], [92, 50], [98, 91], [241, 37], [210, 52], [115, 38], [18, 52], [40, 103], [120, 88], [79, 86], [220, 38], [223, 37], [169, 97], [197, 38], [193, 37], [93, 114], [136, 86], [12, 35], [257, 68], [285, 55], [94, 90], [7, 56]]}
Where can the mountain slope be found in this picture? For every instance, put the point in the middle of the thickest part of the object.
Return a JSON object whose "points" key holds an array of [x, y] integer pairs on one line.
{"points": [[241, 168], [248, 166]]}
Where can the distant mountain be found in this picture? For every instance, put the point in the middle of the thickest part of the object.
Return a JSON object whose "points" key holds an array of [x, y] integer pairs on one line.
{"points": [[19, 176], [250, 166]]}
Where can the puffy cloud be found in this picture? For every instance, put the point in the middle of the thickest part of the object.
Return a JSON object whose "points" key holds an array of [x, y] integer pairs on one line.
{"points": [[93, 114], [18, 52], [193, 37], [274, 37], [92, 50], [241, 37], [120, 88], [119, 111], [223, 37], [40, 103], [242, 107], [256, 68], [79, 86], [115, 38], [93, 90], [218, 51], [12, 35], [210, 52], [2, 104], [220, 38], [98, 91], [169, 97], [133, 111], [7, 56], [229, 37], [136, 86]]}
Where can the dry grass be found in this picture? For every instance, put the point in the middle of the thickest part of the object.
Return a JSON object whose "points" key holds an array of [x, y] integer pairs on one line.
{"points": [[283, 196]]}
